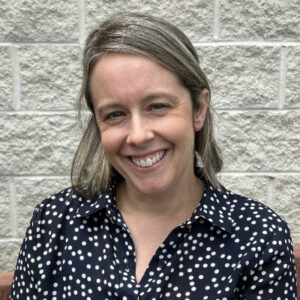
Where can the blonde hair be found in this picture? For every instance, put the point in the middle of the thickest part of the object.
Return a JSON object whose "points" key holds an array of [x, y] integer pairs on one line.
{"points": [[164, 43]]}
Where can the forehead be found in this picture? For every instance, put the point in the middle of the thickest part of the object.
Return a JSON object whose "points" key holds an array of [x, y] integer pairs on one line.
{"points": [[130, 73], [117, 61]]}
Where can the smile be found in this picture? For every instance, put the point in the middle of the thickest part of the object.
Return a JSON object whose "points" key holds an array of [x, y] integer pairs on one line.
{"points": [[149, 161]]}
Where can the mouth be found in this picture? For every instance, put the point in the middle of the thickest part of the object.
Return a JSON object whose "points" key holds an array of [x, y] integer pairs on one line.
{"points": [[149, 160]]}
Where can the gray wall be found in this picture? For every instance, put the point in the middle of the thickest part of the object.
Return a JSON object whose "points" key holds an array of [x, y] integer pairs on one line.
{"points": [[250, 50]]}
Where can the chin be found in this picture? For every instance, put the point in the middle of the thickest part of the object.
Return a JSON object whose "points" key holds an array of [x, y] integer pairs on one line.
{"points": [[152, 188]]}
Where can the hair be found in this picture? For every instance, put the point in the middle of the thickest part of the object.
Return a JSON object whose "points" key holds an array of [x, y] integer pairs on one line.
{"points": [[164, 43]]}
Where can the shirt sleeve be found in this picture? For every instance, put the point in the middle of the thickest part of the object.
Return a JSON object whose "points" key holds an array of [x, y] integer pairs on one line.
{"points": [[274, 274], [25, 282]]}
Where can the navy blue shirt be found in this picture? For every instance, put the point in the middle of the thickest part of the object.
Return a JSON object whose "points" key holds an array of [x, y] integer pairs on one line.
{"points": [[230, 248]]}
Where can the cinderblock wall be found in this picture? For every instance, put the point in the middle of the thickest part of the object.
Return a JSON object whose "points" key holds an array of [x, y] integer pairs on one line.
{"points": [[249, 49]]}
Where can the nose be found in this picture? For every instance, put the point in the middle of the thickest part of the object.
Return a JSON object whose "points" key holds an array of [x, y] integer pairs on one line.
{"points": [[139, 132]]}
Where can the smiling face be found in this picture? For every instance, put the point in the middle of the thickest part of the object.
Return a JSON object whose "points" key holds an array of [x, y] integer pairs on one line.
{"points": [[146, 122]]}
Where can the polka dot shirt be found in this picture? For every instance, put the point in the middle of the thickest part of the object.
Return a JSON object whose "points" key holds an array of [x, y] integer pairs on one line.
{"points": [[231, 248]]}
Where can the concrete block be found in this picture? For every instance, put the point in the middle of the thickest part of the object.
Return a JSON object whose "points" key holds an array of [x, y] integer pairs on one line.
{"points": [[6, 83], [9, 255], [260, 141], [195, 18], [242, 76], [5, 221], [30, 192], [37, 143], [50, 77], [287, 200], [292, 92], [39, 21], [254, 187], [256, 19]]}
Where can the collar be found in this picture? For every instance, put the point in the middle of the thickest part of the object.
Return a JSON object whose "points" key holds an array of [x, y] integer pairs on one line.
{"points": [[213, 207], [105, 200]]}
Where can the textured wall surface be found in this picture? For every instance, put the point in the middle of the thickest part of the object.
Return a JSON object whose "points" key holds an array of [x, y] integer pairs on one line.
{"points": [[249, 49]]}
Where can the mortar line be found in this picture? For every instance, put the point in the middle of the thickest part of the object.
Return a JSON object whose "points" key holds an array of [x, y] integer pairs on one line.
{"points": [[261, 173], [15, 76], [246, 43], [271, 192], [81, 22], [13, 207], [282, 77], [218, 110], [7, 240], [32, 43], [35, 176], [245, 110], [37, 112], [216, 21], [231, 173], [196, 44]]}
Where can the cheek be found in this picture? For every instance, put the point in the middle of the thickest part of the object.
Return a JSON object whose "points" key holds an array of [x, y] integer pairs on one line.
{"points": [[108, 143], [111, 141], [180, 129]]}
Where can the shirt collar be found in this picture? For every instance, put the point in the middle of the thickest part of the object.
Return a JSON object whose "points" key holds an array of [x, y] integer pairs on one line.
{"points": [[91, 206], [212, 207]]}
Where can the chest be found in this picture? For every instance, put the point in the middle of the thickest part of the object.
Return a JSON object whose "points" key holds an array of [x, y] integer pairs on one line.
{"points": [[101, 263], [146, 242]]}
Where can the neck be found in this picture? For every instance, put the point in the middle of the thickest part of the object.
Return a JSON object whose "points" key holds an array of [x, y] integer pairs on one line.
{"points": [[179, 203]]}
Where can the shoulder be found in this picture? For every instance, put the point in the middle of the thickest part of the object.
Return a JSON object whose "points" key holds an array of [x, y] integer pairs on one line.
{"points": [[61, 200], [56, 207], [253, 218]]}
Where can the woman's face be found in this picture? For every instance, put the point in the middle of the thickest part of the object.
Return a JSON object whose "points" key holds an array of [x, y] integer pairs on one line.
{"points": [[146, 122]]}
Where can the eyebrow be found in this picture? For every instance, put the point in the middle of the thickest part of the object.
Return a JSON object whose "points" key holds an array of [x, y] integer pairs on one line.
{"points": [[148, 98]]}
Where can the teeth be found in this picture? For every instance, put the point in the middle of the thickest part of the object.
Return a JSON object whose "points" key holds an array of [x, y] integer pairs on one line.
{"points": [[149, 161]]}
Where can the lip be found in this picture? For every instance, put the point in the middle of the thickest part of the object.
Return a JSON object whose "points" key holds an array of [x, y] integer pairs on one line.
{"points": [[145, 156]]}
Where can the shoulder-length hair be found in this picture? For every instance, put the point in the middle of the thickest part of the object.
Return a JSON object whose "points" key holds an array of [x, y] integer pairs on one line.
{"points": [[164, 43]]}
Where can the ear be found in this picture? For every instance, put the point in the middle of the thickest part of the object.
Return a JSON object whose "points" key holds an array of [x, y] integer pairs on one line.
{"points": [[200, 114]]}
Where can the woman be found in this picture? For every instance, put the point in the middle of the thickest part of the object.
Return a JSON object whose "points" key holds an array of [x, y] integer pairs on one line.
{"points": [[143, 219]]}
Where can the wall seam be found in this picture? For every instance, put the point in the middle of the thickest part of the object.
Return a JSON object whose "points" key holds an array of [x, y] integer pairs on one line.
{"points": [[215, 43], [37, 112], [35, 176], [282, 77], [15, 76], [259, 173], [13, 206], [218, 110], [10, 240], [241, 110], [38, 44], [216, 22], [82, 13], [271, 192], [247, 43]]}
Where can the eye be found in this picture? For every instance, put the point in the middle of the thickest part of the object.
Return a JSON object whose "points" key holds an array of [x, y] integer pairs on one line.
{"points": [[159, 106], [114, 116]]}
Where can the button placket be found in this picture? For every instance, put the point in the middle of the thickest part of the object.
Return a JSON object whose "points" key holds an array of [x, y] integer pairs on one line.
{"points": [[128, 256]]}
